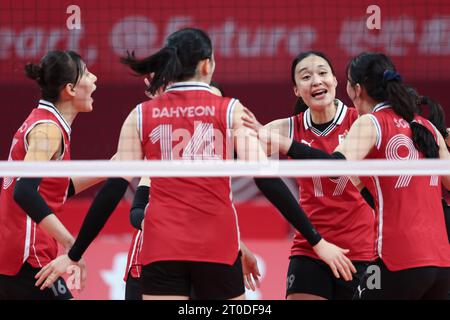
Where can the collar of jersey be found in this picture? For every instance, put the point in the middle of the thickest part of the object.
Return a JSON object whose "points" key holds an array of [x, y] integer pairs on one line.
{"points": [[47, 105], [189, 86], [341, 110], [381, 106]]}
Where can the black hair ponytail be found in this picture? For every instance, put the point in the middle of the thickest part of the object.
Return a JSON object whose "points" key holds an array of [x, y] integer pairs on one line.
{"points": [[377, 74], [176, 61]]}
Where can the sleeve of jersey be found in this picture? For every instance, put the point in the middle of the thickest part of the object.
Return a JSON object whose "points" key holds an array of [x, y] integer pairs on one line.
{"points": [[139, 121], [102, 207], [302, 151], [229, 111], [292, 127], [140, 201], [276, 191], [27, 196]]}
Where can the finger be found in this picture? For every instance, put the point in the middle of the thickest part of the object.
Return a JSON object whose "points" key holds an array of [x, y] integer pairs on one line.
{"points": [[49, 281], [335, 272], [44, 275], [258, 284], [83, 279], [340, 269], [42, 271], [344, 270], [250, 282], [257, 271], [246, 119], [247, 286], [250, 126], [349, 263], [249, 113]]}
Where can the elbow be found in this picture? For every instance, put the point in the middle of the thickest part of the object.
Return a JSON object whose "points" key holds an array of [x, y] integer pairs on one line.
{"points": [[136, 218], [20, 192]]}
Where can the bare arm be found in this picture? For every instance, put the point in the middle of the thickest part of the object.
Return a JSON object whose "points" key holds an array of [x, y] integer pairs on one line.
{"points": [[269, 134], [129, 146], [281, 126], [246, 141], [360, 139], [82, 183], [106, 200], [44, 144], [249, 268]]}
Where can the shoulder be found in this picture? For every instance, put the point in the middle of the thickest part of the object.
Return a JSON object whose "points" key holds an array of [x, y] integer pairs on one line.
{"points": [[365, 125], [365, 119], [352, 113], [47, 129]]}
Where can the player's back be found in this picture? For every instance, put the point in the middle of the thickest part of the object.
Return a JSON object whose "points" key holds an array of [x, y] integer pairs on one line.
{"points": [[411, 226], [193, 217]]}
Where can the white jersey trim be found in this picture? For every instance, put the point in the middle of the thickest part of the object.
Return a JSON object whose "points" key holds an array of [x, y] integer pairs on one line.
{"points": [[436, 131], [341, 112], [235, 216], [380, 219], [381, 106], [133, 252], [378, 130], [291, 127], [34, 246], [26, 252], [189, 86], [46, 105], [139, 121], [230, 111]]}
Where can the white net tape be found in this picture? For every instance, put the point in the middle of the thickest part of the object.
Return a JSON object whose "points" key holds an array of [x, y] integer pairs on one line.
{"points": [[270, 168]]}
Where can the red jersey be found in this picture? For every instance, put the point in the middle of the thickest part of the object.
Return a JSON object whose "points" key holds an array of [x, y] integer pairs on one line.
{"points": [[411, 228], [334, 206], [23, 241], [134, 265], [188, 219]]}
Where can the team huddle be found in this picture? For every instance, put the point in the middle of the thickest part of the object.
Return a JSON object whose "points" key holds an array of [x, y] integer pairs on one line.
{"points": [[187, 243]]}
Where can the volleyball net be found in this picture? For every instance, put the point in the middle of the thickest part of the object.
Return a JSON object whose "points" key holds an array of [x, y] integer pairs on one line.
{"points": [[230, 168], [254, 44]]}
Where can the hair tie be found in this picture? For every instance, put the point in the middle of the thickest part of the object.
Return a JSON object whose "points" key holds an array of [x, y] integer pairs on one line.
{"points": [[390, 75]]}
